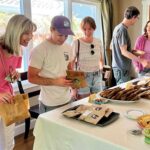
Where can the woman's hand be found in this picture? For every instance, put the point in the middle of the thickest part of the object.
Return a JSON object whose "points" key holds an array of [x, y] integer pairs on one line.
{"points": [[145, 63], [148, 66], [74, 94], [136, 69], [6, 98], [15, 75]]}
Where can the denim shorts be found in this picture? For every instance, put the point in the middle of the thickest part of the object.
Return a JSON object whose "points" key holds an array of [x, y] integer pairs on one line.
{"points": [[94, 81], [121, 76]]}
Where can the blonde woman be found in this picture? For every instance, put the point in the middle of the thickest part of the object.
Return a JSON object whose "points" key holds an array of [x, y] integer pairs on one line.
{"points": [[18, 33], [88, 51]]}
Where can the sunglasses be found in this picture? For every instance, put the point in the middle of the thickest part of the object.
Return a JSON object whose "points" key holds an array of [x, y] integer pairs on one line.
{"points": [[92, 49]]}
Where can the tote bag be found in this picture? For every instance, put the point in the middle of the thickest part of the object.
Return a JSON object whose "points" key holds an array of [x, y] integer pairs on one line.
{"points": [[16, 111]]}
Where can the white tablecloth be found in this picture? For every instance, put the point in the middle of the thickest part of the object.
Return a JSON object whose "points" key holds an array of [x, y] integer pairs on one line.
{"points": [[53, 131]]}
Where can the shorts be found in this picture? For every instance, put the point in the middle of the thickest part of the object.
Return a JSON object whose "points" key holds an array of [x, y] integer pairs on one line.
{"points": [[121, 76], [94, 81]]}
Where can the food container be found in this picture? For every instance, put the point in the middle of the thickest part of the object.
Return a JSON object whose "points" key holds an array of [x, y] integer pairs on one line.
{"points": [[134, 114], [144, 121], [146, 133]]}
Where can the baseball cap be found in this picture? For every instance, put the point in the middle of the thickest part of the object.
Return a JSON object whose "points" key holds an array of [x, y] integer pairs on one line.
{"points": [[62, 25]]}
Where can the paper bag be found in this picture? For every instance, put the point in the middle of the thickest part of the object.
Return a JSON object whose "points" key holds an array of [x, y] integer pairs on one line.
{"points": [[78, 78], [16, 111]]}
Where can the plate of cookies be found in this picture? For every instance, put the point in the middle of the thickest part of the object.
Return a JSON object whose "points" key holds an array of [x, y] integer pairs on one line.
{"points": [[122, 95]]}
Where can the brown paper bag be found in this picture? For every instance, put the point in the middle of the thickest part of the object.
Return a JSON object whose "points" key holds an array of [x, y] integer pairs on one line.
{"points": [[78, 78], [16, 111]]}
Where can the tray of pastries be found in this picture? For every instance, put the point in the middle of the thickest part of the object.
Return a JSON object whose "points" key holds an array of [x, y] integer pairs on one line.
{"points": [[145, 84], [99, 115], [125, 95]]}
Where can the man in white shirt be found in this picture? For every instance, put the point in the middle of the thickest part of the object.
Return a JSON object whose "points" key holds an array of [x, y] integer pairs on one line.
{"points": [[48, 64]]}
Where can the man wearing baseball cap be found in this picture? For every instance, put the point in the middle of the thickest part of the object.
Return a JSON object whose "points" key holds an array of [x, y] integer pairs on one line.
{"points": [[62, 25], [48, 64]]}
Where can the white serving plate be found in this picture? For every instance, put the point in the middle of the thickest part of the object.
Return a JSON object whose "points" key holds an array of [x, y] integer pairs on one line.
{"points": [[120, 101]]}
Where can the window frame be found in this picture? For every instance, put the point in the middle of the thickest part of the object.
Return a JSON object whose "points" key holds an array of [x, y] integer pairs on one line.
{"points": [[26, 9], [98, 16]]}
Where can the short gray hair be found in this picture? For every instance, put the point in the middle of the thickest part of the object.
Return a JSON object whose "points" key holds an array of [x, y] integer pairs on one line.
{"points": [[16, 27]]}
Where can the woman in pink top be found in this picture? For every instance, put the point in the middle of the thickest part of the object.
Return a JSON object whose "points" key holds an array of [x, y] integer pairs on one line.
{"points": [[143, 43], [18, 33]]}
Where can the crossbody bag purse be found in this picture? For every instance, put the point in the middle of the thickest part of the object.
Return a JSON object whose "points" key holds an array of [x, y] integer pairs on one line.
{"points": [[77, 56]]}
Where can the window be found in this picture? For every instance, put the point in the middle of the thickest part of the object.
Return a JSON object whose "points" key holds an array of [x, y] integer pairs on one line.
{"points": [[7, 9], [42, 15], [42, 11], [145, 10], [88, 9]]}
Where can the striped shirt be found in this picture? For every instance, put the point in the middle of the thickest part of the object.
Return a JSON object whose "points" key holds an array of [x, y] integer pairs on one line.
{"points": [[87, 61]]}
